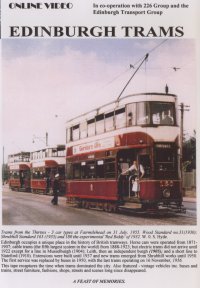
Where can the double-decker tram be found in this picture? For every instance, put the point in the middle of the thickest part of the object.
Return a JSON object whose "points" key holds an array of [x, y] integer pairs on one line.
{"points": [[132, 142], [19, 171], [45, 163]]}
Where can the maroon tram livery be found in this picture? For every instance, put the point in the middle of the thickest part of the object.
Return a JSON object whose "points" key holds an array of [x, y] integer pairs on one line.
{"points": [[19, 170], [102, 145], [45, 163]]}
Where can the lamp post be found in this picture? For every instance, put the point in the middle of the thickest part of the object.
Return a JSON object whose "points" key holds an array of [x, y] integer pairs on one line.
{"points": [[183, 108]]}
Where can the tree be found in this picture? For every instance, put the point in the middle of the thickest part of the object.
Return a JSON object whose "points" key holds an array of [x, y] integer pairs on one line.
{"points": [[189, 153]]}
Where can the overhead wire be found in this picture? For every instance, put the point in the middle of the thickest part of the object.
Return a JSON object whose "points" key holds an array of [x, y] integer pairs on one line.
{"points": [[141, 61], [116, 77], [133, 65]]}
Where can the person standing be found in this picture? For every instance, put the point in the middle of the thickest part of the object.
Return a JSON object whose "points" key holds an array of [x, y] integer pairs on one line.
{"points": [[138, 172], [167, 120], [21, 180], [54, 201]]}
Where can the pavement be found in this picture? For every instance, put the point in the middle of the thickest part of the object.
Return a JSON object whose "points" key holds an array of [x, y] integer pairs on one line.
{"points": [[189, 195], [189, 199]]}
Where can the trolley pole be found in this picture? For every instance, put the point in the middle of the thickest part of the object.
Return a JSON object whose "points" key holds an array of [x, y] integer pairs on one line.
{"points": [[144, 59]]}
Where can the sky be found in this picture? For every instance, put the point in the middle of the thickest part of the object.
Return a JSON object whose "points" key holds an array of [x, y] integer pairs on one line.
{"points": [[47, 82]]}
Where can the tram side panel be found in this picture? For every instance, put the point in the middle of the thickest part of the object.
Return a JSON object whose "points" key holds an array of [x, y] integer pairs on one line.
{"points": [[14, 184], [152, 193], [38, 185], [93, 190], [165, 191]]}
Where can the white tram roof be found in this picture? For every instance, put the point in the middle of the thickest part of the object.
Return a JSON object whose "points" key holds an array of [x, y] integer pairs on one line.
{"points": [[22, 153], [133, 98], [57, 147]]}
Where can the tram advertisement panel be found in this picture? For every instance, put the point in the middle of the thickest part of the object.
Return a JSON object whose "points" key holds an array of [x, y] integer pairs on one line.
{"points": [[99, 129]]}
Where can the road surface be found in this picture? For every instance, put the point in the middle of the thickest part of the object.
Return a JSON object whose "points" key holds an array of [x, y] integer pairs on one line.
{"points": [[21, 208]]}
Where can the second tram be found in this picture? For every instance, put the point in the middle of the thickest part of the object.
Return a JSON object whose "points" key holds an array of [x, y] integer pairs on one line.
{"points": [[45, 163]]}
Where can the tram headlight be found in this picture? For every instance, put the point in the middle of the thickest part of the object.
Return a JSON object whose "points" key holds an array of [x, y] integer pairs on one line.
{"points": [[166, 193]]}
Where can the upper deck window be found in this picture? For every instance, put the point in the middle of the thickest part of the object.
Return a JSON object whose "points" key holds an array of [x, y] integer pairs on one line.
{"points": [[150, 113], [120, 118], [100, 123], [16, 159], [61, 153], [143, 114], [54, 152], [34, 155], [69, 134], [109, 121], [43, 153], [131, 114], [39, 154], [22, 157], [76, 131], [163, 113], [83, 130], [91, 127], [49, 152]]}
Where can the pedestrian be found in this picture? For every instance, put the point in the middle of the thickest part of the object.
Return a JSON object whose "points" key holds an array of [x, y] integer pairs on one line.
{"points": [[21, 180], [54, 201]]}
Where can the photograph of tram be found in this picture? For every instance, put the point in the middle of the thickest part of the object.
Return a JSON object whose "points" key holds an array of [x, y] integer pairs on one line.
{"points": [[122, 109], [102, 146]]}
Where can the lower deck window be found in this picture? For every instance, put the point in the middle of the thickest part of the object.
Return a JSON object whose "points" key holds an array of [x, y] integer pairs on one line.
{"points": [[91, 170], [76, 171], [100, 169], [103, 168], [14, 175], [166, 163], [38, 174], [110, 168]]}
